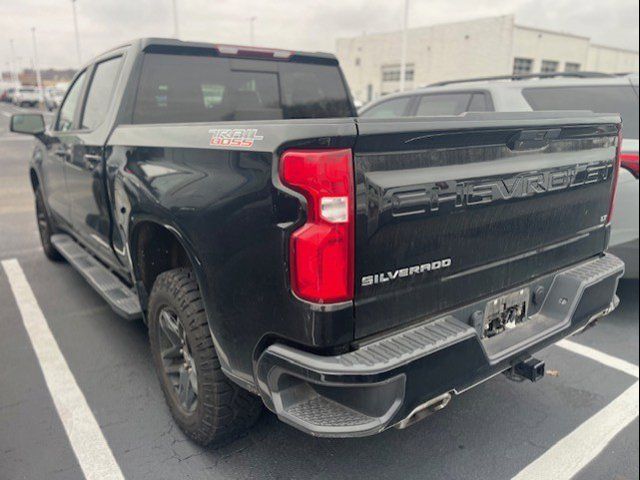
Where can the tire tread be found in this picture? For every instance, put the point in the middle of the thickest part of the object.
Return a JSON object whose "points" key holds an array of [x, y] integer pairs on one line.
{"points": [[225, 409]]}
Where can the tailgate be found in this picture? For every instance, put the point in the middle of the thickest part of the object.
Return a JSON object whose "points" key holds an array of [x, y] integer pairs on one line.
{"points": [[451, 210]]}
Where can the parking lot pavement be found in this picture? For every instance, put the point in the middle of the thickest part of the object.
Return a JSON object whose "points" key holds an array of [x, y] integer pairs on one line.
{"points": [[494, 431]]}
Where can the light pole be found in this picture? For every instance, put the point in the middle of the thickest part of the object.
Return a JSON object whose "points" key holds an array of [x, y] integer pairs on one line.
{"points": [[18, 65], [14, 74], [36, 64], [251, 34], [75, 27], [176, 31], [403, 54]]}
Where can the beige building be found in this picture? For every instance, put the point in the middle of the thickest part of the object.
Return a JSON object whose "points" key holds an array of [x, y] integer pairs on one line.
{"points": [[477, 48]]}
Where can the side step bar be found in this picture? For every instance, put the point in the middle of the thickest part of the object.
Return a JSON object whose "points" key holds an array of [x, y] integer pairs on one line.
{"points": [[123, 300]]}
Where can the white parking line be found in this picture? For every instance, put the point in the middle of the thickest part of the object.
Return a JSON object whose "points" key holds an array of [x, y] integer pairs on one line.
{"points": [[86, 439], [575, 451], [608, 360]]}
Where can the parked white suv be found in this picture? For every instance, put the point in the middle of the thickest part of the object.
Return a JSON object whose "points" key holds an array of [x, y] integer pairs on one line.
{"points": [[598, 92], [26, 96]]}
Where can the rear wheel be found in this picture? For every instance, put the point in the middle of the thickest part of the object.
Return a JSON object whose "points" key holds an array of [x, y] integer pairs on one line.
{"points": [[203, 401], [45, 228]]}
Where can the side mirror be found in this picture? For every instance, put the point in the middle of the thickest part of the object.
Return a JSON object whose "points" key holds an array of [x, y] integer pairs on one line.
{"points": [[29, 123]]}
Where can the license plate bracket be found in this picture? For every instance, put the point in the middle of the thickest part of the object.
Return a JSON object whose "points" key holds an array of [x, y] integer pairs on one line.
{"points": [[505, 312]]}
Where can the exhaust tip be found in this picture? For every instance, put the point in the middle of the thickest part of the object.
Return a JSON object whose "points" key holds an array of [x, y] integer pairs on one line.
{"points": [[424, 410]]}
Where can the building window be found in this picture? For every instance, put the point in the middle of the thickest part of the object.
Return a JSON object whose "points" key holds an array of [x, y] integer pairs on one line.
{"points": [[409, 73], [357, 61], [571, 67], [549, 66], [522, 65], [391, 73]]}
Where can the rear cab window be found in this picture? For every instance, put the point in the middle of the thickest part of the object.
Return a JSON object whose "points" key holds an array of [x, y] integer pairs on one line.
{"points": [[622, 99], [185, 88]]}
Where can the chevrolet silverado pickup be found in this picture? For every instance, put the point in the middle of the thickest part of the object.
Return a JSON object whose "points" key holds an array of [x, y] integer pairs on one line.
{"points": [[350, 274]]}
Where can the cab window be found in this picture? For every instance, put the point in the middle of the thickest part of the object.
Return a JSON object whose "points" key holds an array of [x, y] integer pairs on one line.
{"points": [[100, 92], [66, 117], [185, 88]]}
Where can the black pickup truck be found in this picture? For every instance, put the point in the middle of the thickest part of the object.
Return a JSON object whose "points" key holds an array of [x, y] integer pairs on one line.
{"points": [[350, 274]]}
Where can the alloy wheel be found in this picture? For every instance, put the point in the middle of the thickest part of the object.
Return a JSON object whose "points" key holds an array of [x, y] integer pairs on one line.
{"points": [[178, 364]]}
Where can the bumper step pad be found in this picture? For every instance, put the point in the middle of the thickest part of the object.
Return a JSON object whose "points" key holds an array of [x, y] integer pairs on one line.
{"points": [[123, 300], [323, 412], [406, 346], [387, 353], [595, 270]]}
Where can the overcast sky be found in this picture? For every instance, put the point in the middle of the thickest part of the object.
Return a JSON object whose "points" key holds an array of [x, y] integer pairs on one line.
{"points": [[292, 24]]}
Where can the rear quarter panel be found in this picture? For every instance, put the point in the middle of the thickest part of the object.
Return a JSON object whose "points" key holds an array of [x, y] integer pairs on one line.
{"points": [[223, 205]]}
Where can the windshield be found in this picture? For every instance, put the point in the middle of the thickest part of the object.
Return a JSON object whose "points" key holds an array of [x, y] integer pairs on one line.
{"points": [[622, 99], [182, 88]]}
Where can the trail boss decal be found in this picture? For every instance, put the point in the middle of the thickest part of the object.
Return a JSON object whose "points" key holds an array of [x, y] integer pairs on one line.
{"points": [[385, 277], [234, 137]]}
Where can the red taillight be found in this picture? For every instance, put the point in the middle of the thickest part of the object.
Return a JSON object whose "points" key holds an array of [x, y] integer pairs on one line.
{"points": [[616, 171], [321, 251], [631, 162]]}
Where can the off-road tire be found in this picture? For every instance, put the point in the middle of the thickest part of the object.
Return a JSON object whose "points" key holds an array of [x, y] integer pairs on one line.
{"points": [[223, 409], [45, 228]]}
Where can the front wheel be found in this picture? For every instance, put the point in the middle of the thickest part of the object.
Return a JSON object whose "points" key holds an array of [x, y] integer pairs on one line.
{"points": [[45, 228], [203, 401]]}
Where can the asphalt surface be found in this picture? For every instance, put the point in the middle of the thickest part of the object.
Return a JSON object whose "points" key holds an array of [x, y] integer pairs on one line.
{"points": [[491, 432]]}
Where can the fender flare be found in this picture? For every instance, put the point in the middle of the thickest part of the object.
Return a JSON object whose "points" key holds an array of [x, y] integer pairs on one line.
{"points": [[135, 221]]}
